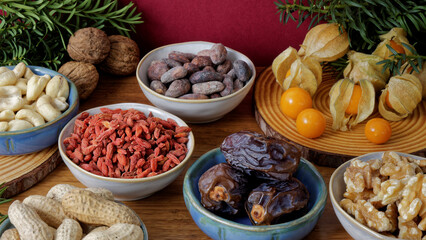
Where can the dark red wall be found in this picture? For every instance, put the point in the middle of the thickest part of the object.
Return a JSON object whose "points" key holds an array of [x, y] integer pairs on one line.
{"points": [[249, 26]]}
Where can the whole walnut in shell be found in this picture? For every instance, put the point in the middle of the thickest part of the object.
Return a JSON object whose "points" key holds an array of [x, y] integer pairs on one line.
{"points": [[84, 75], [123, 57], [89, 45]]}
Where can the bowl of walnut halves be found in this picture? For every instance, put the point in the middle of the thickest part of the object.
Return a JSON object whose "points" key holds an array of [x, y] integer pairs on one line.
{"points": [[381, 195], [254, 187]]}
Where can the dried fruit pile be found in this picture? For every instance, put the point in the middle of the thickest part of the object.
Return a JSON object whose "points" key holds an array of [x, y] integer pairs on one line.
{"points": [[126, 144], [68, 212], [257, 178]]}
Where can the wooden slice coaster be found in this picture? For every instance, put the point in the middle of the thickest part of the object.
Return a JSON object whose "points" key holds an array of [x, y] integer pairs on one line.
{"points": [[21, 172], [333, 147]]}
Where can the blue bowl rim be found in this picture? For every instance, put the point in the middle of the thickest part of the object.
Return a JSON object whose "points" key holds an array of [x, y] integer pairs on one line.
{"points": [[63, 115], [315, 211], [248, 84]]}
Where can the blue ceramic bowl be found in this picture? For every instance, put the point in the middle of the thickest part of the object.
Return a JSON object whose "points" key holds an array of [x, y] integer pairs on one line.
{"points": [[240, 228], [37, 138]]}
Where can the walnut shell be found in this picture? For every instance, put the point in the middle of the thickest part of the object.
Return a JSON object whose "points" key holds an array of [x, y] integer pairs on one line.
{"points": [[89, 45], [123, 57], [84, 75]]}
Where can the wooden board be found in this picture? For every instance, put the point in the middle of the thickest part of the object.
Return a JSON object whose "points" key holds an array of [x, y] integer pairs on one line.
{"points": [[21, 172], [333, 147]]}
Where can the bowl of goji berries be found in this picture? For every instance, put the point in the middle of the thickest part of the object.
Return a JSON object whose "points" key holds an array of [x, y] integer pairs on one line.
{"points": [[132, 149]]}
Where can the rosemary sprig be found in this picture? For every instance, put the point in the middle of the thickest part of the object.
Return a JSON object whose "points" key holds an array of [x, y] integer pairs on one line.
{"points": [[364, 20], [36, 32], [3, 200]]}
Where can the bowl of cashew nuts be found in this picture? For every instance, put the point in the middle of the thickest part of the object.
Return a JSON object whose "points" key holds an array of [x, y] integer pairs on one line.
{"points": [[35, 104]]}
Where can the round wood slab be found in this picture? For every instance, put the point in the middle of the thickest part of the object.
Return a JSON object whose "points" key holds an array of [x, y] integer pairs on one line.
{"points": [[21, 172], [333, 147]]}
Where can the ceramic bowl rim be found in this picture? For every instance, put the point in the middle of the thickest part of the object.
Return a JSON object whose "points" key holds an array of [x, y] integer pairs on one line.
{"points": [[183, 163], [49, 123], [337, 206], [249, 83], [315, 211]]}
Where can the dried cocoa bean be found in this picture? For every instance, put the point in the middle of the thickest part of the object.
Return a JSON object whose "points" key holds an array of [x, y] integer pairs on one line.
{"points": [[238, 85], [205, 76], [209, 68], [181, 57], [158, 87], [215, 95], [229, 86], [205, 52], [171, 63], [173, 74], [178, 88], [156, 69], [225, 67], [242, 70], [194, 96], [208, 87], [191, 68], [218, 53], [232, 74], [202, 61]]}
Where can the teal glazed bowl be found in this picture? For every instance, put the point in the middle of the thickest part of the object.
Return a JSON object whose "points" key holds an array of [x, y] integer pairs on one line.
{"points": [[218, 227], [37, 138]]}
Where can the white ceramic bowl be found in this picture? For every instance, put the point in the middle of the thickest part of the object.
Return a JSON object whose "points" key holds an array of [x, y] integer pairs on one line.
{"points": [[194, 111], [337, 187], [126, 189]]}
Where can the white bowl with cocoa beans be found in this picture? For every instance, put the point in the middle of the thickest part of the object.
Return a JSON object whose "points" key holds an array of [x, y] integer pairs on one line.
{"points": [[198, 81], [131, 149]]}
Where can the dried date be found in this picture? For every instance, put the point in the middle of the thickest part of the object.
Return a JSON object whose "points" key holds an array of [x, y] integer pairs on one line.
{"points": [[270, 201], [261, 156], [223, 189]]}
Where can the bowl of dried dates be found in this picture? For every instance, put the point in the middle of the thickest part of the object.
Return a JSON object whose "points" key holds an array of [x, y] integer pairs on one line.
{"points": [[131, 149], [381, 195], [35, 104], [254, 187], [197, 81]]}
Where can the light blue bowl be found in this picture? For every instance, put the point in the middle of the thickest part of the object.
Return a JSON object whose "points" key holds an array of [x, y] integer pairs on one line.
{"points": [[240, 228], [37, 138]]}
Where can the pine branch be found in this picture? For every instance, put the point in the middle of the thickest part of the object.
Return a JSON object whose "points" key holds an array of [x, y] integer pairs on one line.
{"points": [[36, 32], [365, 20], [3, 200]]}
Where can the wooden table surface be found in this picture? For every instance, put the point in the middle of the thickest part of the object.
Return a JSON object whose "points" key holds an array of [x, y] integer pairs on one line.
{"points": [[164, 213]]}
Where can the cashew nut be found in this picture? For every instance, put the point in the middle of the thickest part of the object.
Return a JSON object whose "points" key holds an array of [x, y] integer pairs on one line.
{"points": [[11, 98], [7, 77], [46, 109], [35, 86], [20, 69], [31, 116], [60, 103], [57, 87], [7, 115], [28, 73], [17, 124], [4, 126], [22, 84]]}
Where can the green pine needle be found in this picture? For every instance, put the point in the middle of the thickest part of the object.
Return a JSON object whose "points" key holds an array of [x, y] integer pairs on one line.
{"points": [[36, 32], [3, 200]]}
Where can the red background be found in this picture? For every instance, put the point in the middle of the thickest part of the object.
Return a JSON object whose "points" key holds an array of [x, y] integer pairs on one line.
{"points": [[249, 26]]}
